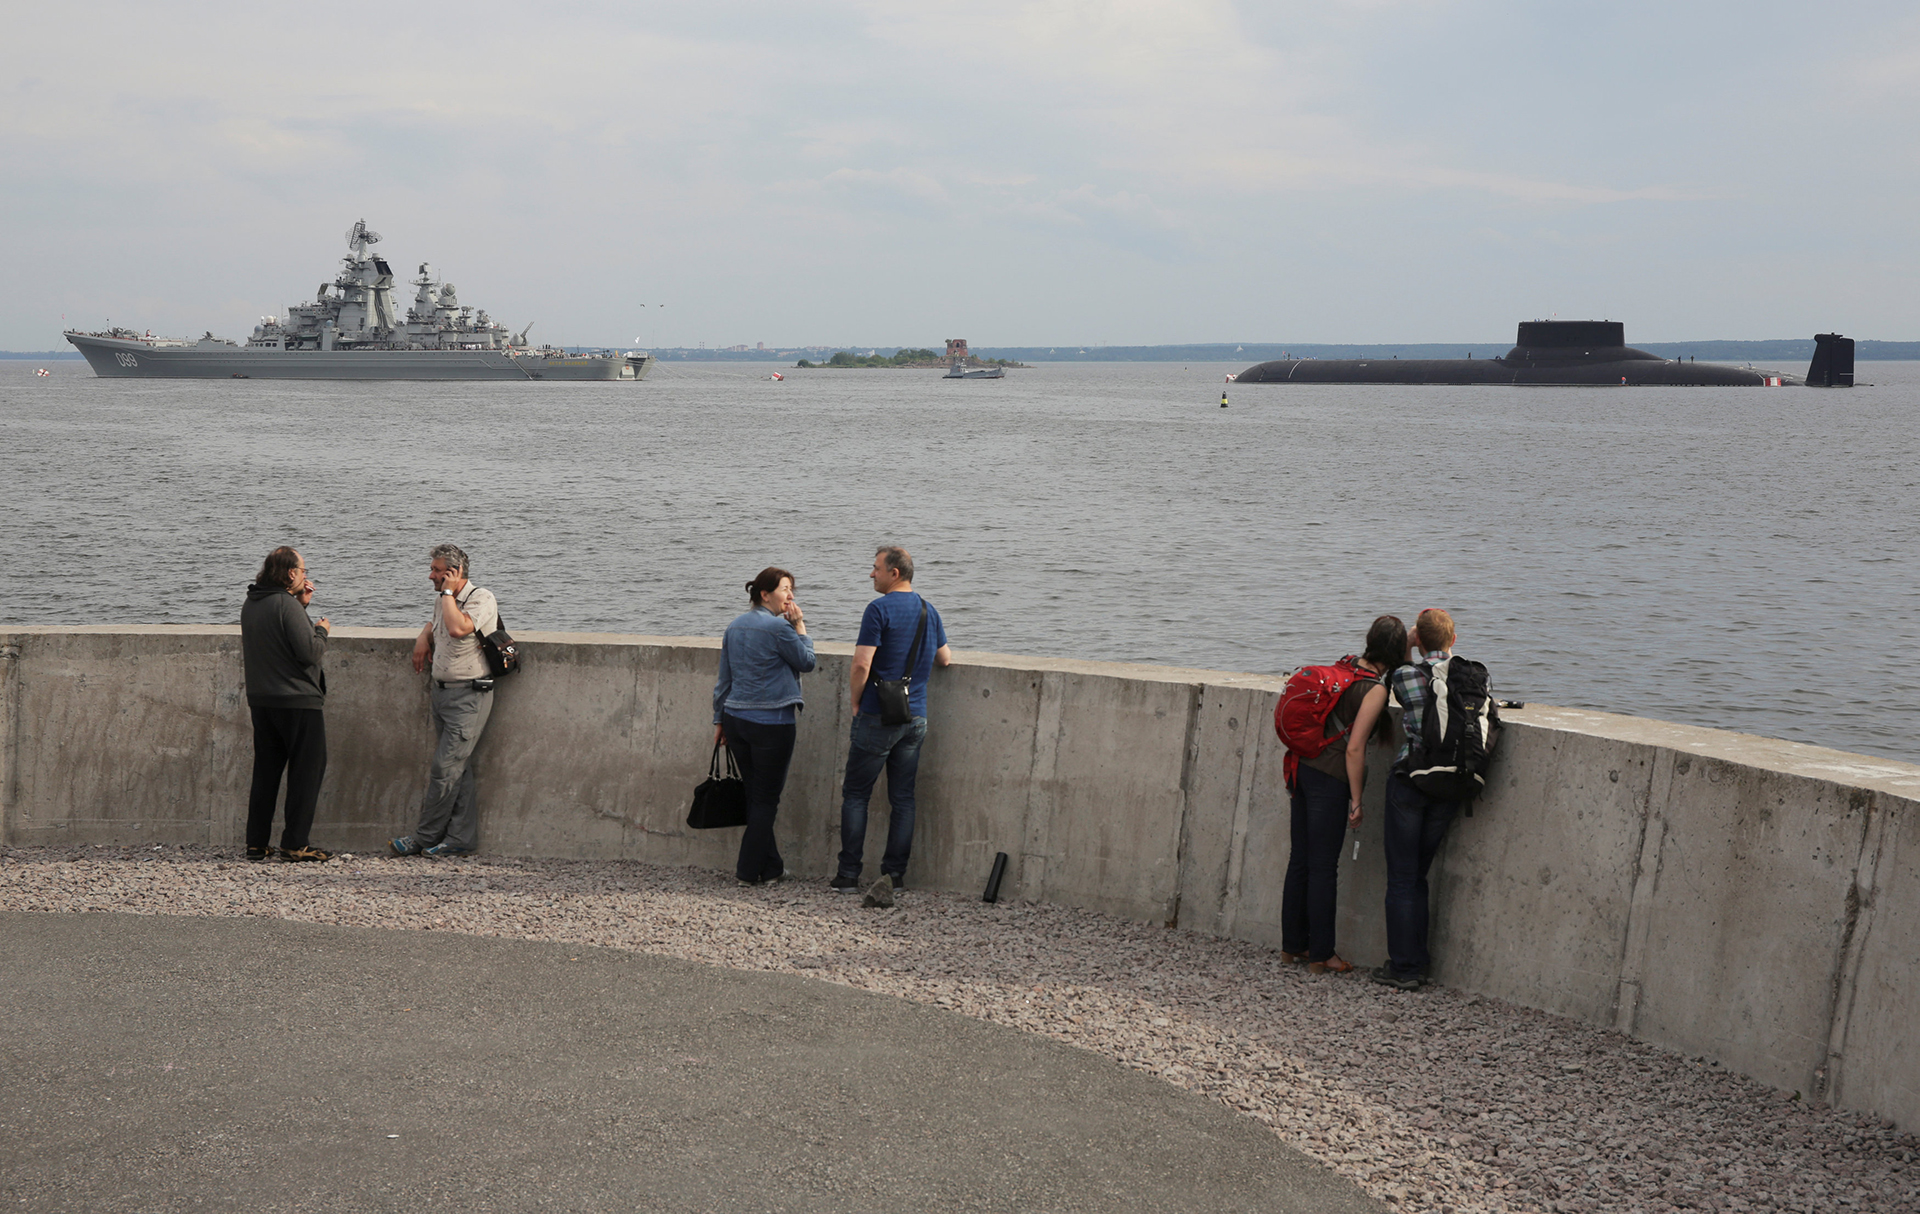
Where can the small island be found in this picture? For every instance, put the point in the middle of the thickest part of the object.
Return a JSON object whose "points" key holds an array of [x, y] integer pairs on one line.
{"points": [[917, 359]]}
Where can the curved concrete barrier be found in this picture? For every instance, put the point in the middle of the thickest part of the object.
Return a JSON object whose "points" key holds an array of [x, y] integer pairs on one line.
{"points": [[1739, 898]]}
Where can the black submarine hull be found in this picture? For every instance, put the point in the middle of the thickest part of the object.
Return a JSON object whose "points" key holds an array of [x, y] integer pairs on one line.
{"points": [[1623, 373], [1564, 353]]}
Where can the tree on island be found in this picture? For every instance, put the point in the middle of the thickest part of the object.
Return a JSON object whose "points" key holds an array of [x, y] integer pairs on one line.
{"points": [[899, 358]]}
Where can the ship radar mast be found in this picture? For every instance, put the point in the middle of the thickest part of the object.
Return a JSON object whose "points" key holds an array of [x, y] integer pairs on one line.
{"points": [[359, 236]]}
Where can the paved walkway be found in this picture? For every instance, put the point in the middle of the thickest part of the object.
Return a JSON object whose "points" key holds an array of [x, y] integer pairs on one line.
{"points": [[157, 1063]]}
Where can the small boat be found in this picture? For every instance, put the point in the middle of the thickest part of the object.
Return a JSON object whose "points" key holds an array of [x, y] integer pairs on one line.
{"points": [[959, 370]]}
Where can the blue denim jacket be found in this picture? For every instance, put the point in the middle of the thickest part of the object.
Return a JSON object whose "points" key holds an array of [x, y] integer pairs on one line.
{"points": [[761, 661]]}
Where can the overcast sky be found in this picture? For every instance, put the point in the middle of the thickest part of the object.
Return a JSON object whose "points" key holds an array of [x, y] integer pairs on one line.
{"points": [[1014, 173]]}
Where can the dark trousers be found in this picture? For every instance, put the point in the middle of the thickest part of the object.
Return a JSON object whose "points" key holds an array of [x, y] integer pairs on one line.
{"points": [[762, 753], [1416, 825], [294, 741], [874, 748], [1308, 900]]}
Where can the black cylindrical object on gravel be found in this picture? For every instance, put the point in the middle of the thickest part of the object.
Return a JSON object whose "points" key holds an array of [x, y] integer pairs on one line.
{"points": [[993, 878]]}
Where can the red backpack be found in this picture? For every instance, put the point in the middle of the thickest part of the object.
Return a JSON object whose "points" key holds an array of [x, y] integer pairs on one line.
{"points": [[1311, 693]]}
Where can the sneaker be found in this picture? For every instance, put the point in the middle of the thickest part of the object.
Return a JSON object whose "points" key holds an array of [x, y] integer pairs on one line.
{"points": [[445, 851], [309, 853], [259, 855], [1385, 976], [879, 894], [844, 885], [404, 846]]}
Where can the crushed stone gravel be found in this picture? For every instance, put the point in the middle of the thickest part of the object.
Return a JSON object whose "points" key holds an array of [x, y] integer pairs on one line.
{"points": [[1437, 1100]]}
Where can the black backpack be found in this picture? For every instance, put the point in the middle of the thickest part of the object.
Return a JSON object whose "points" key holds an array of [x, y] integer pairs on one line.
{"points": [[1457, 736]]}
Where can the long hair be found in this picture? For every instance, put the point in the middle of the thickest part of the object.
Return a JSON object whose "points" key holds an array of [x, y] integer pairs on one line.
{"points": [[1387, 649], [1387, 643], [766, 582], [277, 569]]}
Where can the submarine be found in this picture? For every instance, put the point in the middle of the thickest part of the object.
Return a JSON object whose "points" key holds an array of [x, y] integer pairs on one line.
{"points": [[1572, 353]]}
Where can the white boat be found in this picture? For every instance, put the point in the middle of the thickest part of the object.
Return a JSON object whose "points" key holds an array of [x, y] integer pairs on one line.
{"points": [[959, 370]]}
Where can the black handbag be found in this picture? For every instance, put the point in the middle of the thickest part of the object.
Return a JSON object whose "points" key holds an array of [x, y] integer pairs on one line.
{"points": [[720, 801], [895, 694], [502, 654], [499, 649]]}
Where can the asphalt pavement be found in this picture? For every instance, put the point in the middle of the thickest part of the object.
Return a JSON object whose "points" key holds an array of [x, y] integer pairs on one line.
{"points": [[161, 1063]]}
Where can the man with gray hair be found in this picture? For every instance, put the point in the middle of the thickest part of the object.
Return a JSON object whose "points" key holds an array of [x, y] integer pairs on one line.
{"points": [[461, 692]]}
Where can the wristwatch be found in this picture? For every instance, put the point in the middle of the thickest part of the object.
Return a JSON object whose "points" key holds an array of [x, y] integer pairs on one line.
{"points": [[448, 593]]}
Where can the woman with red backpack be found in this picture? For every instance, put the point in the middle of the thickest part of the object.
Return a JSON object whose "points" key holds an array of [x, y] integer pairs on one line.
{"points": [[1325, 716]]}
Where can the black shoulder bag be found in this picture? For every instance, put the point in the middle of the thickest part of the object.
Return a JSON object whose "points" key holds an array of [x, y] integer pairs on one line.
{"points": [[502, 654], [895, 694], [719, 800]]}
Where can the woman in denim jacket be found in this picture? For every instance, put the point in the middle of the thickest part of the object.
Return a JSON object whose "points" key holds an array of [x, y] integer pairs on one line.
{"points": [[755, 699]]}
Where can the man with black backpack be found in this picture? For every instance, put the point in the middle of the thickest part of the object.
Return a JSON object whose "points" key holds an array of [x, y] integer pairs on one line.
{"points": [[461, 693], [1451, 722], [901, 640]]}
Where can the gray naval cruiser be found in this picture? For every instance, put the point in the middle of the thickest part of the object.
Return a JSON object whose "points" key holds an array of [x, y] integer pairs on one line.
{"points": [[1546, 353], [351, 331]]}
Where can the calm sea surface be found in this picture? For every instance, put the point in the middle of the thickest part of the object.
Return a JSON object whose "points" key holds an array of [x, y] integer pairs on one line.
{"points": [[1739, 558]]}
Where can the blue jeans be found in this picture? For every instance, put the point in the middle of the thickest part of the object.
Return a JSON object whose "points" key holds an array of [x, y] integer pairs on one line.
{"points": [[875, 746], [1416, 825], [1313, 866], [762, 753]]}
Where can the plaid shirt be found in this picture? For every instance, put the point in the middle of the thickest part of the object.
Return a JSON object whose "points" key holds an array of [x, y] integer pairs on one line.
{"points": [[1410, 690]]}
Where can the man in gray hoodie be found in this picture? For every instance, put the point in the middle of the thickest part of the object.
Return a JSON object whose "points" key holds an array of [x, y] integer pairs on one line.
{"points": [[286, 692]]}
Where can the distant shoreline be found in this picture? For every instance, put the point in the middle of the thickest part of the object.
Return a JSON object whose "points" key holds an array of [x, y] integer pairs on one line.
{"points": [[1249, 353]]}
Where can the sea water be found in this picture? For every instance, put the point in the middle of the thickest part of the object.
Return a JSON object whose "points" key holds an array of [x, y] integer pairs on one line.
{"points": [[1738, 558]]}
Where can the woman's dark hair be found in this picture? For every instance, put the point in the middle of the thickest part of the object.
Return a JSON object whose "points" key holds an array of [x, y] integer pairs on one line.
{"points": [[767, 581], [1387, 643], [277, 569], [1387, 649]]}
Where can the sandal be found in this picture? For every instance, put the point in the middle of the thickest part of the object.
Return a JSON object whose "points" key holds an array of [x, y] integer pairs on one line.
{"points": [[1293, 958], [309, 852], [259, 855], [1332, 965]]}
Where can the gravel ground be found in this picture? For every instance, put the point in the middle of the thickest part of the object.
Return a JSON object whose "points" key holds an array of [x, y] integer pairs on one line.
{"points": [[1436, 1100]]}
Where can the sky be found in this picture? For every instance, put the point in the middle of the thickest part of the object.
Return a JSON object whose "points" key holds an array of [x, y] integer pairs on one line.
{"points": [[876, 173]]}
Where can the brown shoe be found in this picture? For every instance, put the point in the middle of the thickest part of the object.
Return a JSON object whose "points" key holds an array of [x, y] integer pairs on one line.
{"points": [[1332, 965]]}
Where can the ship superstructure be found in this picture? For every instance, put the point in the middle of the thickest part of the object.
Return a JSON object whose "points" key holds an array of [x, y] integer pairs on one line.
{"points": [[351, 331]]}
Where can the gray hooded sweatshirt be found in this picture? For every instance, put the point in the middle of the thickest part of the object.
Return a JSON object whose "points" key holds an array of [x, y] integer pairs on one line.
{"points": [[283, 650]]}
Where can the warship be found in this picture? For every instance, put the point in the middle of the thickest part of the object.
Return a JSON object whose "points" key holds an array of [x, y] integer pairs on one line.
{"points": [[352, 331], [1569, 353]]}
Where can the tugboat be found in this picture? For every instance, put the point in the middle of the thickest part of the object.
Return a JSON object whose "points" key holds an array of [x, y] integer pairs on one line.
{"points": [[350, 331]]}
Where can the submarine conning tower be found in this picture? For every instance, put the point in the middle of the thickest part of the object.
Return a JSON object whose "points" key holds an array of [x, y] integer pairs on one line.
{"points": [[1575, 341]]}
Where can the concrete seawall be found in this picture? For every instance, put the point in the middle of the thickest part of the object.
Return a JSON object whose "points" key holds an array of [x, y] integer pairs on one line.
{"points": [[1743, 899]]}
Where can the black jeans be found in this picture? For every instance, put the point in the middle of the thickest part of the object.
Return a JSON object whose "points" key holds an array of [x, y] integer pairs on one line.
{"points": [[1308, 901], [762, 753], [1416, 826], [293, 740]]}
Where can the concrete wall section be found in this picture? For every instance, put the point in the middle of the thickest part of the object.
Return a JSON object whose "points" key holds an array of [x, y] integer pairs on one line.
{"points": [[1741, 898]]}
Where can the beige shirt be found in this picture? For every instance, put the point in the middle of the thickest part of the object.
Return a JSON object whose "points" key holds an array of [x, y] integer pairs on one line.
{"points": [[459, 658]]}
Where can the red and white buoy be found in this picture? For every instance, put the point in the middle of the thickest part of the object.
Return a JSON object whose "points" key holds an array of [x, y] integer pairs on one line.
{"points": [[42, 372], [777, 375]]}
